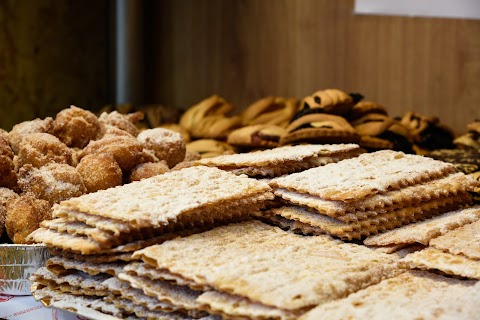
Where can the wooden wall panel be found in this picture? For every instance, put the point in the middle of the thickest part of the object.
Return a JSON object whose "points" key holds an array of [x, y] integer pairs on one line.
{"points": [[52, 54], [247, 49]]}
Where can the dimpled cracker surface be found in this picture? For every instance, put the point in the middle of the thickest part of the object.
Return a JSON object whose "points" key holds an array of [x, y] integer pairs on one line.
{"points": [[60, 265], [81, 305], [74, 279], [366, 175], [411, 295], [145, 270], [408, 196], [278, 155], [258, 261], [464, 240], [164, 291], [231, 306], [374, 224], [158, 200], [434, 259], [144, 313], [424, 231]]}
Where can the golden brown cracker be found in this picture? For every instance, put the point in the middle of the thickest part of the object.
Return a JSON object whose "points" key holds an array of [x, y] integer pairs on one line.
{"points": [[364, 176], [161, 199], [424, 231], [435, 259], [412, 295], [257, 261], [464, 240]]}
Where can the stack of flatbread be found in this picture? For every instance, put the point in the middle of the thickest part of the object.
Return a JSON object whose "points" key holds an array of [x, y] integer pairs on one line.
{"points": [[368, 194], [283, 160], [457, 253], [250, 270], [449, 242], [94, 236]]}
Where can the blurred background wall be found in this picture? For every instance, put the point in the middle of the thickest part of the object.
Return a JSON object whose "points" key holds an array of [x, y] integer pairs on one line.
{"points": [[55, 53], [52, 55]]}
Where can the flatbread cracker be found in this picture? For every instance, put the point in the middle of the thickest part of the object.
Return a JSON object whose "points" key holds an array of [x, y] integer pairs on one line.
{"points": [[434, 259], [412, 295], [366, 175], [96, 258], [280, 155], [366, 227], [380, 203], [145, 270], [277, 170], [145, 313], [464, 240], [164, 291], [231, 306], [424, 231], [258, 261], [60, 265], [81, 305], [157, 201], [86, 246], [77, 279]]}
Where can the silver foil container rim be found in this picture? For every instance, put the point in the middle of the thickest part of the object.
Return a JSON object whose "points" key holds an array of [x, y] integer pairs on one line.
{"points": [[17, 264]]}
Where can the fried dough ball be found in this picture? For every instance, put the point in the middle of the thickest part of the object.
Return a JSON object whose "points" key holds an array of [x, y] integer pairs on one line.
{"points": [[53, 182], [149, 156], [99, 171], [166, 144], [107, 129], [24, 215], [21, 130], [177, 128], [122, 121], [39, 149], [76, 127], [126, 150], [8, 175], [147, 170], [5, 196], [4, 134]]}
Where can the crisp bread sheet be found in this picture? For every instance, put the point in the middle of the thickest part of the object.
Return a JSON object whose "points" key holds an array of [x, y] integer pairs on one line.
{"points": [[156, 201], [366, 175], [464, 240], [279, 155], [231, 307], [258, 261], [422, 232], [434, 259], [380, 203], [412, 295], [83, 306]]}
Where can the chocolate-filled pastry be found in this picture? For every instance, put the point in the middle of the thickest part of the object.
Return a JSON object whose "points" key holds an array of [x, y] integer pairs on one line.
{"points": [[378, 131], [427, 132], [260, 135], [320, 128], [471, 139], [332, 101], [363, 108]]}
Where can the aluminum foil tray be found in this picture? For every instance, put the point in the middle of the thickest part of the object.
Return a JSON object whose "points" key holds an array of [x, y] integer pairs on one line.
{"points": [[17, 264]]}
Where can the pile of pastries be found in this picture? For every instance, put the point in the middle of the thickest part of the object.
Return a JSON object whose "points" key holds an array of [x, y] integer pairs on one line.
{"points": [[290, 209], [326, 116], [46, 161], [261, 236]]}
